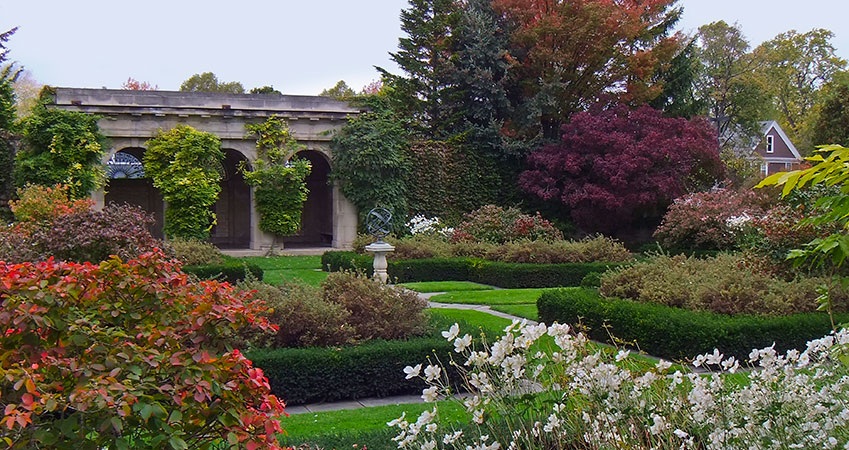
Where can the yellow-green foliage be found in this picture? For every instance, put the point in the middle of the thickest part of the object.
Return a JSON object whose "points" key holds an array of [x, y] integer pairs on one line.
{"points": [[184, 165]]}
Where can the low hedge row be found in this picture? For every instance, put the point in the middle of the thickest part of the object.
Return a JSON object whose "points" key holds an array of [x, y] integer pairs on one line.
{"points": [[230, 271], [505, 275], [326, 374], [677, 333]]}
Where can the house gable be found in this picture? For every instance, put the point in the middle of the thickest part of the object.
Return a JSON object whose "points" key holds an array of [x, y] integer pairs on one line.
{"points": [[782, 148]]}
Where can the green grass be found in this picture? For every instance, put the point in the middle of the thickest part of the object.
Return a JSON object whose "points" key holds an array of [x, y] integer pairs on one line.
{"points": [[526, 311], [279, 269], [445, 286], [493, 297], [310, 424], [492, 325]]}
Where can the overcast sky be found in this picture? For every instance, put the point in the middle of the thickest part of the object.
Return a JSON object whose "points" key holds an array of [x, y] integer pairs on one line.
{"points": [[298, 46]]}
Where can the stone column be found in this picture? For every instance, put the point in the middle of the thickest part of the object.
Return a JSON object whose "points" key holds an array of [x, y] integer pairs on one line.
{"points": [[380, 249]]}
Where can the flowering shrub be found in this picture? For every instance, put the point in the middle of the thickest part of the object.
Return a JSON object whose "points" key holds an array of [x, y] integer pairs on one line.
{"points": [[423, 225], [722, 284], [121, 355], [782, 229], [577, 396], [497, 225], [38, 203], [713, 220]]}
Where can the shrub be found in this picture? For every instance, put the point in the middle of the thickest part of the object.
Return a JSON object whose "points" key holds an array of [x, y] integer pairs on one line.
{"points": [[591, 280], [497, 225], [722, 284], [678, 333], [81, 235], [304, 318], [377, 311], [595, 249], [231, 271], [38, 203], [119, 354], [708, 220], [192, 252]]}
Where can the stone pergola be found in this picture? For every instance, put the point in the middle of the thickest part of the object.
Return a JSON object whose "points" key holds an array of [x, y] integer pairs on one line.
{"points": [[130, 118]]}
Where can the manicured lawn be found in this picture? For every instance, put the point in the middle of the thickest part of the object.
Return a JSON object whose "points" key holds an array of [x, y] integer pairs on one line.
{"points": [[493, 297], [526, 311], [310, 424], [445, 286], [279, 269]]}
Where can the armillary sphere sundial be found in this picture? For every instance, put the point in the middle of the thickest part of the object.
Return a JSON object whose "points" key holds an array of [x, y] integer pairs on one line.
{"points": [[379, 222]]}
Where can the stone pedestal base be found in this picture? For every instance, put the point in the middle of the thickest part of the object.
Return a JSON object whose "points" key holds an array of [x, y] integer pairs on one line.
{"points": [[380, 249]]}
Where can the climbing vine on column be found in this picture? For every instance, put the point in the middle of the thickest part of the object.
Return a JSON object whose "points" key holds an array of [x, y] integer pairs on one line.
{"points": [[277, 176], [184, 165]]}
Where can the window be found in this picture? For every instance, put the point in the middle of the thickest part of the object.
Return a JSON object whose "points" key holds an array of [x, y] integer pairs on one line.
{"points": [[764, 169], [770, 144], [788, 166]]}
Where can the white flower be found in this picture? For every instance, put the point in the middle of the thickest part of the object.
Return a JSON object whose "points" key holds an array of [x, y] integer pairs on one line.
{"points": [[429, 445], [659, 424], [663, 364], [451, 438], [431, 428], [477, 416], [432, 372], [681, 434], [413, 371], [714, 358], [622, 355], [452, 332], [430, 394], [461, 344], [397, 421]]}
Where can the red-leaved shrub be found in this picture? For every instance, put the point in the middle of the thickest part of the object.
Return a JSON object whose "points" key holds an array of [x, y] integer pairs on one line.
{"points": [[120, 354], [714, 220], [498, 225]]}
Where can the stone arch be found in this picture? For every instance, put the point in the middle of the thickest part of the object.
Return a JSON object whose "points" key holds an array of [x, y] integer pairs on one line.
{"points": [[317, 217], [234, 205], [127, 183]]}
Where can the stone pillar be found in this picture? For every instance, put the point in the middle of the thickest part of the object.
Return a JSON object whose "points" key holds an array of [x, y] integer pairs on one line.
{"points": [[380, 249]]}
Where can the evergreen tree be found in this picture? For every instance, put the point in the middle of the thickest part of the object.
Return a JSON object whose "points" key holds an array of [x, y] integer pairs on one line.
{"points": [[425, 56], [678, 97]]}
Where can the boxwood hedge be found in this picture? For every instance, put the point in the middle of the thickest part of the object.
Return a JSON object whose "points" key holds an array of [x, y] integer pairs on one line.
{"points": [[326, 374], [506, 275], [231, 271], [677, 333]]}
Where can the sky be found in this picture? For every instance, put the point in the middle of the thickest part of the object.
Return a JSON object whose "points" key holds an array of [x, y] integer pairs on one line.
{"points": [[298, 46]]}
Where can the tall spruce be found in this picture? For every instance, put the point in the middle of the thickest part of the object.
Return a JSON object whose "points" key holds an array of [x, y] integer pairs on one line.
{"points": [[425, 56], [678, 98]]}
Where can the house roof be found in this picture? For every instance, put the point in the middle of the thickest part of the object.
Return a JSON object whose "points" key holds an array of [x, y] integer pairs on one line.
{"points": [[770, 124]]}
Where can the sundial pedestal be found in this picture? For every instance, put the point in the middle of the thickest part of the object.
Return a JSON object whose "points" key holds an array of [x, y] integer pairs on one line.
{"points": [[380, 249]]}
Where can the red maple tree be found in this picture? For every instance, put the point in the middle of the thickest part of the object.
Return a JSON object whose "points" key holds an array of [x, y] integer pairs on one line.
{"points": [[614, 166]]}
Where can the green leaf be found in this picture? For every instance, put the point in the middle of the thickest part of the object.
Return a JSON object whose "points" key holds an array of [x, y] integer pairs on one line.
{"points": [[178, 443], [146, 411]]}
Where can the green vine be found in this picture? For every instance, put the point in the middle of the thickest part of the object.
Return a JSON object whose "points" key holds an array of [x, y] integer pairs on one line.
{"points": [[183, 164], [278, 179]]}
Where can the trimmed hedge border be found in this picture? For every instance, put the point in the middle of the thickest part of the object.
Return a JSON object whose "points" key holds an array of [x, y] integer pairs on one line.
{"points": [[325, 374], [676, 333], [505, 275], [232, 271]]}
